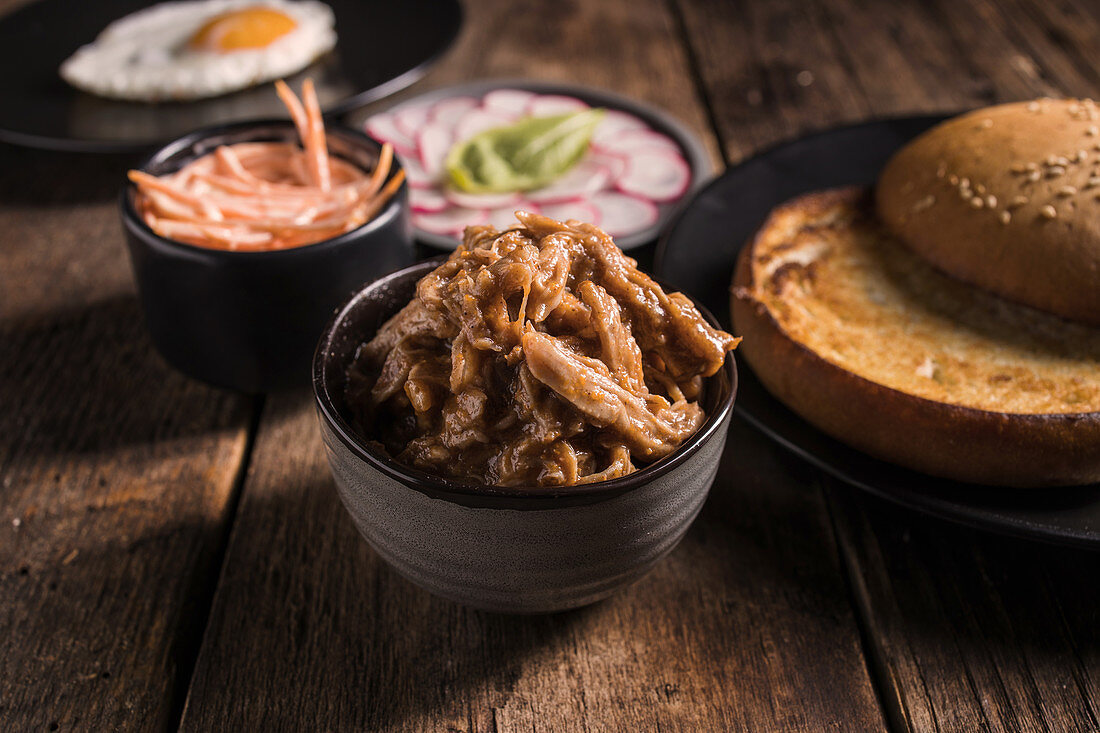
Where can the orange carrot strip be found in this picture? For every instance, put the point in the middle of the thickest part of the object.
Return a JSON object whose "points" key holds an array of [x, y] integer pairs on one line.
{"points": [[315, 144]]}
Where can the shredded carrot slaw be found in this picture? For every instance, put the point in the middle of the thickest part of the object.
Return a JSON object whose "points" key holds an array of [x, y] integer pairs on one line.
{"points": [[266, 195]]}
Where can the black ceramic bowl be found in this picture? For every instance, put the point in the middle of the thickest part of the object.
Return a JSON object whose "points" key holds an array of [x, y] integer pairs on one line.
{"points": [[512, 549], [250, 320]]}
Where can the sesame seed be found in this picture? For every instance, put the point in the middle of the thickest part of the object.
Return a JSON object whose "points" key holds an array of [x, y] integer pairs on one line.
{"points": [[977, 202], [1033, 166], [1093, 131], [923, 204], [1051, 160], [1067, 191], [1082, 156], [16, 522], [804, 78], [1017, 168], [985, 124], [1018, 201], [991, 201], [965, 194], [1005, 217], [980, 189], [1033, 107], [1048, 212], [1093, 182], [941, 171], [1055, 171], [953, 179], [1034, 176], [964, 183], [1074, 108], [1062, 161]]}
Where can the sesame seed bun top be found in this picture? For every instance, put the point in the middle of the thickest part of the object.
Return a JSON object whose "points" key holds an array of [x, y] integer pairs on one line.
{"points": [[1007, 198]]}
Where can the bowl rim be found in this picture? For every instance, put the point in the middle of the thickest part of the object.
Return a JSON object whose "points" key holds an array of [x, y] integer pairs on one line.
{"points": [[470, 493], [136, 224]]}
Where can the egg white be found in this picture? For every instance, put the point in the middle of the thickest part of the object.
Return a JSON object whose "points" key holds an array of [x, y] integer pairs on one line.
{"points": [[145, 56]]}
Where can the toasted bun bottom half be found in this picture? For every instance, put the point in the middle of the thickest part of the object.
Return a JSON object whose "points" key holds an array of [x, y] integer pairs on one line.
{"points": [[1048, 447]]}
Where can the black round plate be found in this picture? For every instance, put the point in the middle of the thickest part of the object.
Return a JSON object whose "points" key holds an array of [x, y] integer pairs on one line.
{"points": [[698, 252], [381, 47]]}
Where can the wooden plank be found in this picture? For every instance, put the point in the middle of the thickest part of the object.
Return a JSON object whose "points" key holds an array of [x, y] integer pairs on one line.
{"points": [[747, 625], [966, 631], [974, 631], [118, 474]]}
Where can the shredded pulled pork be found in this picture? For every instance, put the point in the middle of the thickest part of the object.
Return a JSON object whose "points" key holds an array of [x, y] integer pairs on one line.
{"points": [[540, 355]]}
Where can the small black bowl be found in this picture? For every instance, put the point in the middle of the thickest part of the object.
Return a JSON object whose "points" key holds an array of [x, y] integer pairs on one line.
{"points": [[510, 549], [250, 320]]}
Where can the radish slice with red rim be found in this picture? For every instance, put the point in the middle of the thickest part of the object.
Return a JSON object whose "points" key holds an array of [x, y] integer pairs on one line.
{"points": [[449, 221], [613, 162], [622, 214], [433, 142], [480, 120], [553, 104], [615, 122], [583, 179], [580, 210], [482, 200], [410, 118], [427, 200], [450, 111], [505, 217], [656, 175], [415, 173], [382, 127], [509, 101], [627, 141]]}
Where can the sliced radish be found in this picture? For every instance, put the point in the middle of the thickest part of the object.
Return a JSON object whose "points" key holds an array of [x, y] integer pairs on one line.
{"points": [[546, 105], [449, 221], [450, 111], [481, 200], [509, 101], [480, 120], [630, 140], [382, 127], [622, 214], [415, 173], [580, 210], [410, 118], [656, 175], [505, 217], [433, 143], [613, 162], [585, 178], [615, 120], [427, 200]]}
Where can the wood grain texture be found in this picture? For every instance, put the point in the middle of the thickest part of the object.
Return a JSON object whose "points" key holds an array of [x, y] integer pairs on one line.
{"points": [[974, 631], [116, 472], [746, 626], [965, 631]]}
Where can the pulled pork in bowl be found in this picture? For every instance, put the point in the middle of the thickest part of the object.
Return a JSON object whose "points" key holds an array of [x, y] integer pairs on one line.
{"points": [[540, 355], [529, 425]]}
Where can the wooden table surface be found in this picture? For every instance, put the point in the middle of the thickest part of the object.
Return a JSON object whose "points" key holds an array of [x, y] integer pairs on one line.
{"points": [[172, 555]]}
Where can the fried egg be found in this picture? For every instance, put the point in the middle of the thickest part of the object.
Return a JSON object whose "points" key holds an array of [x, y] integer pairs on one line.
{"points": [[178, 51]]}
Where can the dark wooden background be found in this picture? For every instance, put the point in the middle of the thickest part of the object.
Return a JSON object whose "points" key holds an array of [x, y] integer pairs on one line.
{"points": [[175, 556]]}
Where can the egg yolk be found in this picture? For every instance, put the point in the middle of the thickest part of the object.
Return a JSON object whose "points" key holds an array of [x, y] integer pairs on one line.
{"points": [[253, 27]]}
